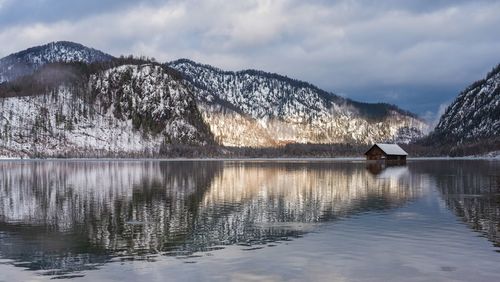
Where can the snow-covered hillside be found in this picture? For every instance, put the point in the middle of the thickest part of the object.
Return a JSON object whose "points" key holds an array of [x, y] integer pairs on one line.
{"points": [[27, 61], [129, 109], [474, 115], [63, 98], [254, 108]]}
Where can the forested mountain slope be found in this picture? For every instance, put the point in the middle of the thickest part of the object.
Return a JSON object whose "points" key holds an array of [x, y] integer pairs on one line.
{"points": [[255, 108], [116, 108]]}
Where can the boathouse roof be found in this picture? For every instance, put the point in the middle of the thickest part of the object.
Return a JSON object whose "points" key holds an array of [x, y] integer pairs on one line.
{"points": [[390, 149]]}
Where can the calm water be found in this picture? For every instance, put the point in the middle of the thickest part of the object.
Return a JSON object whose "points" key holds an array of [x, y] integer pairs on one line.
{"points": [[253, 221]]}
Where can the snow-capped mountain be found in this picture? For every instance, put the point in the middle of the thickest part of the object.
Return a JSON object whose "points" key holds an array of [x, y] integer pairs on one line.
{"points": [[255, 108], [27, 61], [474, 115], [67, 99], [128, 108]]}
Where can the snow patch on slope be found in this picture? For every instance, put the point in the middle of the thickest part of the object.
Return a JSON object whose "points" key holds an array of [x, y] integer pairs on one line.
{"points": [[35, 124]]}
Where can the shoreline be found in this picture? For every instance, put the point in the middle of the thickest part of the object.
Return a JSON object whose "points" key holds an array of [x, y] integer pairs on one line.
{"points": [[249, 159]]}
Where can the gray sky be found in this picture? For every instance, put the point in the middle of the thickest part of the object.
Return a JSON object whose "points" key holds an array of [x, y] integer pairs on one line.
{"points": [[416, 54]]}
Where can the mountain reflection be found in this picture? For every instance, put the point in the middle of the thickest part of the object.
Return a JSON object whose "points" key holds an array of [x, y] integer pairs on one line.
{"points": [[472, 191], [67, 216]]}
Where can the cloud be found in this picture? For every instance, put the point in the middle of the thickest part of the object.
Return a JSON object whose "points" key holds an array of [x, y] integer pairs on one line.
{"points": [[433, 117], [369, 50]]}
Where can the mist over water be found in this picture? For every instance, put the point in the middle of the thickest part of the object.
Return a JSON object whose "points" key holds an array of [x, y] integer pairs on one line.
{"points": [[244, 220]]}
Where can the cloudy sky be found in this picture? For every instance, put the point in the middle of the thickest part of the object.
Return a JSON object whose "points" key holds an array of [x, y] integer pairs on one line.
{"points": [[416, 54]]}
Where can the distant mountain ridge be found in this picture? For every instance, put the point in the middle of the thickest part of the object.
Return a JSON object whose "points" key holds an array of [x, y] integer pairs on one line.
{"points": [[368, 110], [27, 61], [256, 108]]}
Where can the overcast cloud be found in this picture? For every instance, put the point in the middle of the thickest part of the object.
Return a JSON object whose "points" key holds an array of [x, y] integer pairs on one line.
{"points": [[416, 54]]}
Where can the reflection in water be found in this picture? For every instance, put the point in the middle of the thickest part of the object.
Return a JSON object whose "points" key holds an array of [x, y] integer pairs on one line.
{"points": [[254, 198], [69, 216], [377, 168], [472, 191]]}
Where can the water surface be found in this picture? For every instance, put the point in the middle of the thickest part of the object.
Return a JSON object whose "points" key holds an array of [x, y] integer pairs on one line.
{"points": [[249, 220]]}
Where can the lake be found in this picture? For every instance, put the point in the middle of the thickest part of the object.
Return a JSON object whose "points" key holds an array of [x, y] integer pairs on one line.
{"points": [[288, 220]]}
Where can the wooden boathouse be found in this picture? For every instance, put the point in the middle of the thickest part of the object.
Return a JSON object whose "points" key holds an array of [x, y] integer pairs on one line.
{"points": [[386, 152]]}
